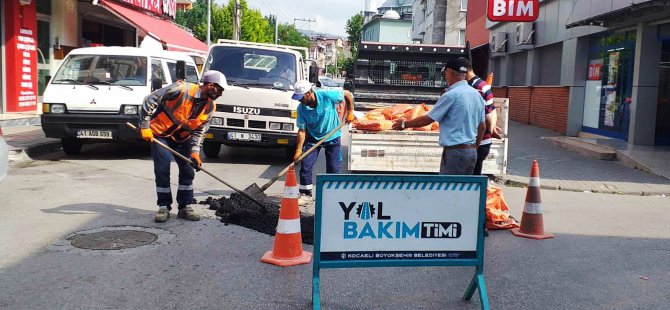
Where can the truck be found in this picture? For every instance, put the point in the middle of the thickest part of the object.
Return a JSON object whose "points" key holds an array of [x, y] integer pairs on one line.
{"points": [[96, 90], [256, 109], [386, 74]]}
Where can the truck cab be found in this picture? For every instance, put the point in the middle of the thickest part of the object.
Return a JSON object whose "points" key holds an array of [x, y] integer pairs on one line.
{"points": [[256, 108], [96, 90]]}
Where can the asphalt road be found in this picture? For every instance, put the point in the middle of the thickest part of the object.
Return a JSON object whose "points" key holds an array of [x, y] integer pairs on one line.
{"points": [[610, 251]]}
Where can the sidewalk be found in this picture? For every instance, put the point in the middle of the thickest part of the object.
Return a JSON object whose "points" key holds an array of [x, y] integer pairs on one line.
{"points": [[29, 140], [563, 169]]}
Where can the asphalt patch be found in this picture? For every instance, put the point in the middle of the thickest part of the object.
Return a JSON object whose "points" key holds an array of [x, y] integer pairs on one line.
{"points": [[241, 211]]}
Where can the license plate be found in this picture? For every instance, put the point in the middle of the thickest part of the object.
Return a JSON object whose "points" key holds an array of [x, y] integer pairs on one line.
{"points": [[243, 136], [94, 134]]}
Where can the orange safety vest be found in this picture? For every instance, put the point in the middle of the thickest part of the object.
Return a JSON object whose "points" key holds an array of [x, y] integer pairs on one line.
{"points": [[180, 117]]}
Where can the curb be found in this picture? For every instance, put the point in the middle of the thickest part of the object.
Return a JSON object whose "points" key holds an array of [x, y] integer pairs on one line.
{"points": [[516, 183], [34, 150]]}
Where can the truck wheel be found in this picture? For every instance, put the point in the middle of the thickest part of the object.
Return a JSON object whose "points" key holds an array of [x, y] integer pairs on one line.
{"points": [[211, 149], [71, 146]]}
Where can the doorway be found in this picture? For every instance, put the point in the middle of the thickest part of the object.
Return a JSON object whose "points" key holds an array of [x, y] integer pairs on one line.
{"points": [[663, 108]]}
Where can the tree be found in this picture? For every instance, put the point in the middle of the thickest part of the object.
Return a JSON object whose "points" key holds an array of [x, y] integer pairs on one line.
{"points": [[288, 35], [354, 29]]}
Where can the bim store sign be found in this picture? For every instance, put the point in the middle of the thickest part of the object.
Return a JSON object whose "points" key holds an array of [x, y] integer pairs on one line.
{"points": [[20, 18], [159, 7], [513, 10], [399, 220]]}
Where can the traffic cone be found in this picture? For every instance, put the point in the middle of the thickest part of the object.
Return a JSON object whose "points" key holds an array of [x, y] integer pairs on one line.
{"points": [[489, 79], [532, 223], [287, 249]]}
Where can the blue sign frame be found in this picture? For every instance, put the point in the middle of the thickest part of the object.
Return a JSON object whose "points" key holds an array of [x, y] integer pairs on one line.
{"points": [[477, 280]]}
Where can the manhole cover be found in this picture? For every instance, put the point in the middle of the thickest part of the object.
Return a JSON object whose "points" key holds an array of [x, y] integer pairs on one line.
{"points": [[113, 240]]}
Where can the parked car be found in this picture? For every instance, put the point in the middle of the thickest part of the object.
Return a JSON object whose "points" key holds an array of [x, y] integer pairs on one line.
{"points": [[4, 157], [330, 83]]}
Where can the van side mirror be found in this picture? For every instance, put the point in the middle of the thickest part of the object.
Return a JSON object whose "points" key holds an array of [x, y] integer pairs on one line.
{"points": [[313, 74], [156, 84], [181, 70], [47, 79]]}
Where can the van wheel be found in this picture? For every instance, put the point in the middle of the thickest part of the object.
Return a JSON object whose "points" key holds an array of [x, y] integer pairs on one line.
{"points": [[71, 146], [211, 149]]}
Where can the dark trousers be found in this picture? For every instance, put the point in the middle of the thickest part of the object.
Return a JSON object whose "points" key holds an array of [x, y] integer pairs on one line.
{"points": [[162, 159], [333, 160], [482, 153], [458, 161]]}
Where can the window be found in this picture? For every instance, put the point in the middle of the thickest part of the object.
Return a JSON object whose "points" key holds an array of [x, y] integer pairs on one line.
{"points": [[464, 5], [157, 71], [191, 75], [103, 70], [461, 37], [254, 67]]}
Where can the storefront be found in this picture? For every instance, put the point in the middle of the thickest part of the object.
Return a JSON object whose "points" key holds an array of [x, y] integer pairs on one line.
{"points": [[609, 83], [37, 35], [663, 108]]}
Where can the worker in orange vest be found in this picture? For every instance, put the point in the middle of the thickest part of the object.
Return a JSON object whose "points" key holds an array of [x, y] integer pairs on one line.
{"points": [[178, 115]]}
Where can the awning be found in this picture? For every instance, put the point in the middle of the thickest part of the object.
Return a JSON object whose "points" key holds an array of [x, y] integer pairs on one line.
{"points": [[630, 13], [164, 31]]}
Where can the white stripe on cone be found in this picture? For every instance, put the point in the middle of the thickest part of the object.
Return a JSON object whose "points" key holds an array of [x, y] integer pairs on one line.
{"points": [[291, 192], [288, 226], [532, 208], [534, 182]]}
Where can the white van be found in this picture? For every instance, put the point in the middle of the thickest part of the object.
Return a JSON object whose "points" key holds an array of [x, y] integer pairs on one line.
{"points": [[98, 89]]}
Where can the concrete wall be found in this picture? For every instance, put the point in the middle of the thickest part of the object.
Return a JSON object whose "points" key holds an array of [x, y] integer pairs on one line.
{"points": [[395, 31], [371, 31], [440, 23]]}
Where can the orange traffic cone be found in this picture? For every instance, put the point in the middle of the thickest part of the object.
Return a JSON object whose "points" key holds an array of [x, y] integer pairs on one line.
{"points": [[489, 79], [287, 250], [532, 223]]}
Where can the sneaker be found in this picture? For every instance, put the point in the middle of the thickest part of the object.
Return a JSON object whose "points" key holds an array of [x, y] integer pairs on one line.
{"points": [[188, 213], [304, 200], [162, 215]]}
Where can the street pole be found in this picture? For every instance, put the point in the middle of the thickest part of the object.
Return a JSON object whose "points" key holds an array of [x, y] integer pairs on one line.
{"points": [[236, 21], [209, 22], [276, 31]]}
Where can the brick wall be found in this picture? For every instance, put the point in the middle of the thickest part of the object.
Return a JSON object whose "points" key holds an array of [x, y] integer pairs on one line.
{"points": [[544, 106]]}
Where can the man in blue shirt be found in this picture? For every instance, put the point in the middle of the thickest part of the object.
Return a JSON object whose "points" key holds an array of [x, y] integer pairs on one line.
{"points": [[460, 112], [317, 117]]}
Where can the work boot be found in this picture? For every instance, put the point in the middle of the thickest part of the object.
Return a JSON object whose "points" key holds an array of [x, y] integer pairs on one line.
{"points": [[304, 200], [162, 215], [188, 213]]}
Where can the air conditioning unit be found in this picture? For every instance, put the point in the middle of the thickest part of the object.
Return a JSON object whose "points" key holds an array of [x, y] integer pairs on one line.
{"points": [[524, 34], [499, 42]]}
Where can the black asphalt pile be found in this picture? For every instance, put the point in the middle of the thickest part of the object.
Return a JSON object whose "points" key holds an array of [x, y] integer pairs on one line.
{"points": [[239, 210]]}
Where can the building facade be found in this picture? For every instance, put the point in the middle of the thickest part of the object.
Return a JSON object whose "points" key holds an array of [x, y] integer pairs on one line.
{"points": [[592, 66], [477, 35], [439, 22], [36, 35], [390, 23]]}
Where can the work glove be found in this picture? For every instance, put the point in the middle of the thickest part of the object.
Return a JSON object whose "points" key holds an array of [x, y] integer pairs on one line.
{"points": [[196, 161], [350, 117], [147, 134], [297, 155]]}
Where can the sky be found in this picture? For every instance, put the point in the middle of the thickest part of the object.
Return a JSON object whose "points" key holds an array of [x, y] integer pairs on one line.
{"points": [[331, 16]]}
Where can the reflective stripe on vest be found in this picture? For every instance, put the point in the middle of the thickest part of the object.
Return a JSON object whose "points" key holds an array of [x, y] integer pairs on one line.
{"points": [[177, 119]]}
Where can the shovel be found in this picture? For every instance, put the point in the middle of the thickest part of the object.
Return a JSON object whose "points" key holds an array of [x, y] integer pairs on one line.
{"points": [[254, 190], [182, 157]]}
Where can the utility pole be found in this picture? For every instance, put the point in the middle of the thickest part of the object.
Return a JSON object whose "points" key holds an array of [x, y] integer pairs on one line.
{"points": [[309, 22], [236, 20], [276, 29], [209, 22]]}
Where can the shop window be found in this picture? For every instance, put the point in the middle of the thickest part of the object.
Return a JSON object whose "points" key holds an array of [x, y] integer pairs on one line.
{"points": [[609, 84], [43, 6], [663, 109]]}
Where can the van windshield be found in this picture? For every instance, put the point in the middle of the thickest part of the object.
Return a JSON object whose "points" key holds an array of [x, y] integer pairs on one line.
{"points": [[103, 70], [254, 67]]}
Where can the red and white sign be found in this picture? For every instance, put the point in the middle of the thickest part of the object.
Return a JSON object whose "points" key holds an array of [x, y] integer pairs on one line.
{"points": [[21, 55], [513, 10], [595, 72], [159, 7]]}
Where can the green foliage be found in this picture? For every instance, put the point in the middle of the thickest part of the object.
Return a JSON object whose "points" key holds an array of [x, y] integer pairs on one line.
{"points": [[288, 35], [354, 28]]}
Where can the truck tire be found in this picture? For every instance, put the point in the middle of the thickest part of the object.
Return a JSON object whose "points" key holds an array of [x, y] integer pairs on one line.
{"points": [[211, 149], [71, 146]]}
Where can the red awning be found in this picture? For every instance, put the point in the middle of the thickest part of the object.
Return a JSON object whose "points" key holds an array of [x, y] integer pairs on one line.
{"points": [[164, 31]]}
